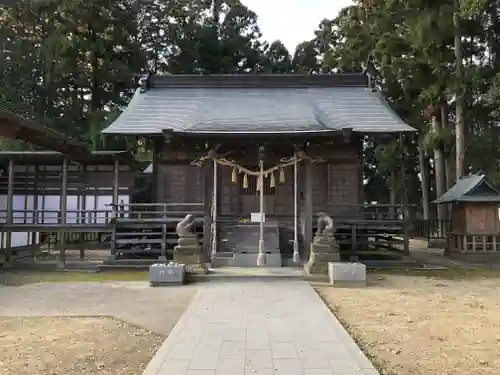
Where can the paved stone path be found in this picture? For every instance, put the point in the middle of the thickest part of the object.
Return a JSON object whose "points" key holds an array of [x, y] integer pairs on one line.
{"points": [[259, 328]]}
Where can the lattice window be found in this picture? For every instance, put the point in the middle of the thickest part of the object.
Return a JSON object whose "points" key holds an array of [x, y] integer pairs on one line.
{"points": [[251, 189]]}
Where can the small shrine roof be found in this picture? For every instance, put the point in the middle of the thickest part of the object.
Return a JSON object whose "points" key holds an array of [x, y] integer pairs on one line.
{"points": [[471, 188]]}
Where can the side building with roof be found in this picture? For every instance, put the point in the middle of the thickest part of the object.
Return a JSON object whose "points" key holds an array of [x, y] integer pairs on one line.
{"points": [[214, 135], [64, 190]]}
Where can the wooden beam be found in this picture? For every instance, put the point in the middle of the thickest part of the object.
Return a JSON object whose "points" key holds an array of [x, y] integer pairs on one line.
{"points": [[347, 135]]}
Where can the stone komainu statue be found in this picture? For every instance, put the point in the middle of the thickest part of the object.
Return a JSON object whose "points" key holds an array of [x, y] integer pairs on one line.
{"points": [[324, 248], [185, 226], [325, 225]]}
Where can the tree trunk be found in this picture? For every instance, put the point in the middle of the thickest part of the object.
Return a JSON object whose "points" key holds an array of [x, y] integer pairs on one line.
{"points": [[459, 115], [424, 180], [439, 170], [449, 165]]}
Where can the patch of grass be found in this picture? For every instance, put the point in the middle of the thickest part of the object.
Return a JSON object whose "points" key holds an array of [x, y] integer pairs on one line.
{"points": [[447, 274], [29, 277]]}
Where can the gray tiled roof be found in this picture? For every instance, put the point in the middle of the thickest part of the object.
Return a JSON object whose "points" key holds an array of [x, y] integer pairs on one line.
{"points": [[472, 188], [252, 110]]}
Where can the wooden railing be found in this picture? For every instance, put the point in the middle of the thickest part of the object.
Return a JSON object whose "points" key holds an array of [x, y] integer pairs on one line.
{"points": [[102, 216], [156, 210], [378, 212], [430, 228], [43, 216], [474, 243]]}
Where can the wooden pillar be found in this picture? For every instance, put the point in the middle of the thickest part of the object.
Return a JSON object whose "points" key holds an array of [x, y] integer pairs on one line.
{"points": [[261, 257], [207, 206], [213, 229], [10, 211], [35, 204], [83, 209], [296, 255], [116, 174], [116, 170], [155, 173], [406, 211], [26, 193], [63, 212], [354, 243], [163, 215], [308, 207], [361, 172]]}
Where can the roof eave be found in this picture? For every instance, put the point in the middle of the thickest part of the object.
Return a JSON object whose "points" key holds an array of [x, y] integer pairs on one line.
{"points": [[228, 134]]}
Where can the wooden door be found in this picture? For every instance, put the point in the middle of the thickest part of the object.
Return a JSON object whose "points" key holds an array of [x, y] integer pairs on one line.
{"points": [[250, 197]]}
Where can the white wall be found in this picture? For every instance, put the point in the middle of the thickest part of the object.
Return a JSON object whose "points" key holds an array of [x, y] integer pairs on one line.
{"points": [[51, 203]]}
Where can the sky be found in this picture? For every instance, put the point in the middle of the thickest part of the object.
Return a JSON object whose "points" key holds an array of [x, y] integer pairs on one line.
{"points": [[293, 21]]}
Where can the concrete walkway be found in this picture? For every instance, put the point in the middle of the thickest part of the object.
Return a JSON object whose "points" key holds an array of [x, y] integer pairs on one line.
{"points": [[259, 328]]}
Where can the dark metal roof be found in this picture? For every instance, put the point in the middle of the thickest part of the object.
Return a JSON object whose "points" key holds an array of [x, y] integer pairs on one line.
{"points": [[53, 157], [470, 189], [256, 104], [14, 126], [182, 81]]}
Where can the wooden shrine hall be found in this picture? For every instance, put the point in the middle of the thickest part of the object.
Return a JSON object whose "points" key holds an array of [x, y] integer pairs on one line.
{"points": [[263, 155]]}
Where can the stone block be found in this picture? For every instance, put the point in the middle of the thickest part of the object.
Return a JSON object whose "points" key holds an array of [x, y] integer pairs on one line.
{"points": [[347, 274], [164, 274]]}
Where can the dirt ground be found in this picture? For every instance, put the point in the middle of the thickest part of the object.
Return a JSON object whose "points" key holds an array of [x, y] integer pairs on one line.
{"points": [[74, 346], [65, 328], [410, 325]]}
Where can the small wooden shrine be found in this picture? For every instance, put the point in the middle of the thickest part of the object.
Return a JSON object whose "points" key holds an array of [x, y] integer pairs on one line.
{"points": [[475, 226]]}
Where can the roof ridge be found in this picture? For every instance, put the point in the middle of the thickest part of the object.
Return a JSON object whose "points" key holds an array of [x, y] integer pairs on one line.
{"points": [[253, 80]]}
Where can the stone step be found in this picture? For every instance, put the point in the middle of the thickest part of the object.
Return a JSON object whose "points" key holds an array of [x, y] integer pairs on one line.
{"points": [[247, 260], [250, 274], [131, 262]]}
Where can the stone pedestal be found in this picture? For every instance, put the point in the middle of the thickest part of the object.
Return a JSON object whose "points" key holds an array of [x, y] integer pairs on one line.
{"points": [[189, 252], [323, 251], [164, 274], [347, 274]]}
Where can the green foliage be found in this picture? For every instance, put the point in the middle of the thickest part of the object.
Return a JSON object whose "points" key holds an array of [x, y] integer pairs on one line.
{"points": [[444, 139], [74, 64]]}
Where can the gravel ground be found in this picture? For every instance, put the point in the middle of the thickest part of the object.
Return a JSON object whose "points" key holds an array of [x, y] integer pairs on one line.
{"points": [[74, 346], [110, 328], [421, 326]]}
